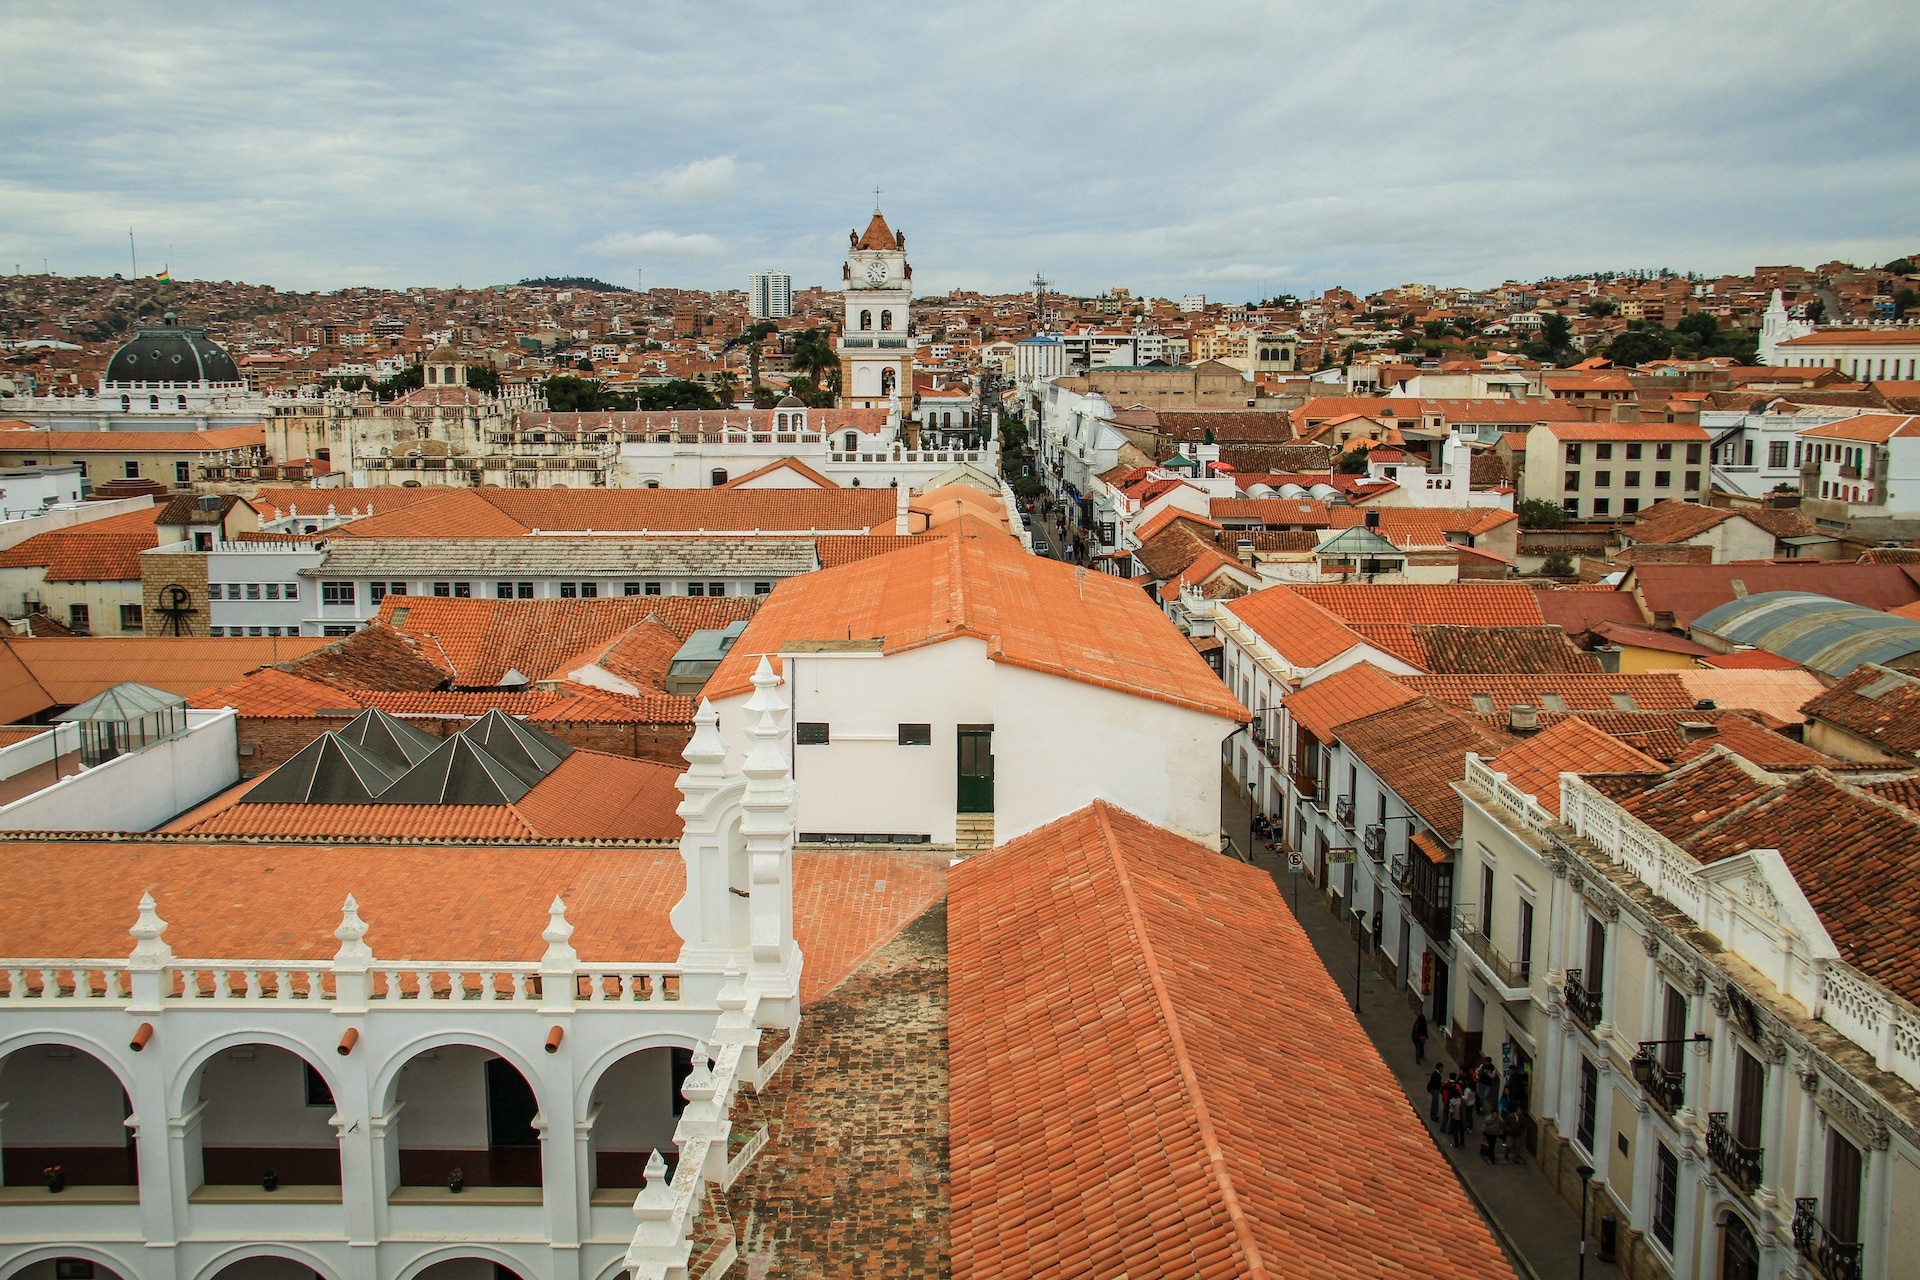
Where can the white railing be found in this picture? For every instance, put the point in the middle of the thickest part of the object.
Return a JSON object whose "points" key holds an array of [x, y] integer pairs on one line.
{"points": [[744, 1157], [1657, 862], [1511, 800], [102, 981], [1879, 1022]]}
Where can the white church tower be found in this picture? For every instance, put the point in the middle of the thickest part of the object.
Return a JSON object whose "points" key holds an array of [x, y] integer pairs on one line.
{"points": [[876, 351], [1776, 327]]}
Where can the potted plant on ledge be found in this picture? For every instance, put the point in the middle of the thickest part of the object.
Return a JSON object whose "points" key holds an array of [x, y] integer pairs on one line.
{"points": [[456, 1180], [269, 1180], [55, 1177]]}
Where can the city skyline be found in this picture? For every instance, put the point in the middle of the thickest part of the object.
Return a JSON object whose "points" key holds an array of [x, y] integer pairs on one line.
{"points": [[1241, 150]]}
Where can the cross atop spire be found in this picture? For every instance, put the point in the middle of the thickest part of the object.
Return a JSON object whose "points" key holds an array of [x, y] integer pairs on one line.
{"points": [[876, 199]]}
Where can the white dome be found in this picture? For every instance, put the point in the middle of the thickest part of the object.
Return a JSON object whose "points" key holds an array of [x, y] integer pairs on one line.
{"points": [[1324, 492], [1291, 490], [1260, 491]]}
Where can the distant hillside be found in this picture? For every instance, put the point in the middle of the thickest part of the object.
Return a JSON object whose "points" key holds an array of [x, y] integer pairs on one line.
{"points": [[574, 282]]}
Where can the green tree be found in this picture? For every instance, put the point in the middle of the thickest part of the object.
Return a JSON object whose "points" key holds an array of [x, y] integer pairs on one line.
{"points": [[575, 395], [1700, 327], [1639, 346], [1815, 311], [1435, 328], [484, 377], [1900, 267], [1602, 307], [1538, 513], [725, 383], [1558, 565], [1352, 463], [678, 394], [1557, 331], [1905, 301]]}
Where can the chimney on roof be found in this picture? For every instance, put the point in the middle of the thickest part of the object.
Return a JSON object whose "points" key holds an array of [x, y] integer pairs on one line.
{"points": [[1523, 718], [1373, 519], [1694, 730]]}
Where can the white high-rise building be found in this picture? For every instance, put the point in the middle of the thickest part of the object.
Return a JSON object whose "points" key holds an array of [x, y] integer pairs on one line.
{"points": [[770, 295]]}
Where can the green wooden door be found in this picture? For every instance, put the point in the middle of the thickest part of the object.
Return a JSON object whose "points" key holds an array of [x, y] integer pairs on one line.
{"points": [[976, 768]]}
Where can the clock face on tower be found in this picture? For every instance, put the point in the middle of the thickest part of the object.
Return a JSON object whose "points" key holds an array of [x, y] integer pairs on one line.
{"points": [[876, 272]]}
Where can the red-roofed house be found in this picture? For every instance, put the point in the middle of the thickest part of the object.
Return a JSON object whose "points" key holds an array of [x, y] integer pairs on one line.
{"points": [[962, 690], [1136, 1137], [1610, 470]]}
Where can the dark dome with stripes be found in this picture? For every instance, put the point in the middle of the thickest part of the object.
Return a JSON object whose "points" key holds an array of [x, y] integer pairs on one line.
{"points": [[171, 353]]}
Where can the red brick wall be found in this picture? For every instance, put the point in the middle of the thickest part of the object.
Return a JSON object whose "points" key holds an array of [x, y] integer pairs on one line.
{"points": [[275, 739]]}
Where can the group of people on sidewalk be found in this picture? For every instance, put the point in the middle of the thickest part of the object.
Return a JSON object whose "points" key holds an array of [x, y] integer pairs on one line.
{"points": [[1458, 1099]]}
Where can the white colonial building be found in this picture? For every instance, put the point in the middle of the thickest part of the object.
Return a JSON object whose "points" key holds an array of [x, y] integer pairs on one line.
{"points": [[1728, 1057], [962, 692], [287, 1103], [876, 349]]}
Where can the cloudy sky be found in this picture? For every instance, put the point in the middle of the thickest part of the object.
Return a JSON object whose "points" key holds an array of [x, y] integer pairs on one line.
{"points": [[1225, 148]]}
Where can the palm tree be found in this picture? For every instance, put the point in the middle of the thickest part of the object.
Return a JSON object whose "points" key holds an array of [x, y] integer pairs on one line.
{"points": [[725, 383]]}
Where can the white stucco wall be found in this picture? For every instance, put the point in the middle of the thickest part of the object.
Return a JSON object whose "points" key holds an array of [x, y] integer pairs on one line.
{"points": [[1061, 744], [635, 1098], [137, 792], [261, 1101], [56, 1096], [863, 780], [446, 1097]]}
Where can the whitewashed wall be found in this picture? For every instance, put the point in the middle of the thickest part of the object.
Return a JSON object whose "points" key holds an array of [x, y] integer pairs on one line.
{"points": [[140, 791]]}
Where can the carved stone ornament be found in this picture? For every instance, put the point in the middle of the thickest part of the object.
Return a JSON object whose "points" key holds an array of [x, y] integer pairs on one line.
{"points": [[1774, 1047], [1865, 1122], [1610, 912], [1651, 942], [1721, 1004]]}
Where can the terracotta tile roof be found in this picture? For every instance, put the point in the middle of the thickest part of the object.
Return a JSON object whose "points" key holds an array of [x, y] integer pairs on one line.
{"points": [[1685, 591], [1875, 703], [448, 513], [1137, 1136], [275, 502], [545, 639], [1347, 694], [1305, 634], [689, 510], [1170, 515], [374, 657], [271, 693], [1646, 431], [100, 551], [21, 695], [838, 549], [1571, 746], [1782, 522], [1874, 427], [632, 800], [1752, 660], [1419, 751], [1856, 857], [73, 669], [793, 465], [1670, 521], [1690, 798], [1590, 691], [1777, 695], [212, 440], [1635, 636], [1174, 546], [239, 899], [1029, 611], [1429, 524], [1460, 650], [1437, 604], [1280, 513]]}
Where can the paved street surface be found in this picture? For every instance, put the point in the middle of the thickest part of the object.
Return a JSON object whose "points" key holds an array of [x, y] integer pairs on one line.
{"points": [[1528, 1217]]}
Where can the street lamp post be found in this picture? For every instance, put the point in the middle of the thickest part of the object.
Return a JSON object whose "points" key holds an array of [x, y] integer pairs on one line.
{"points": [[1359, 953], [1586, 1184]]}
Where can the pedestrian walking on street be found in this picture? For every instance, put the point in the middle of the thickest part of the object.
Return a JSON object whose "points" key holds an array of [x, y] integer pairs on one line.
{"points": [[1420, 1036], [1434, 1084], [1457, 1118]]}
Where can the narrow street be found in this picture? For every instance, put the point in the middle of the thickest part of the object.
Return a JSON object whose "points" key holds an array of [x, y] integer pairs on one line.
{"points": [[1529, 1219]]}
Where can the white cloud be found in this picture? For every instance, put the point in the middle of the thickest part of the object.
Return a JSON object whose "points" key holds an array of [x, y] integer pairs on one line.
{"points": [[699, 181], [658, 244]]}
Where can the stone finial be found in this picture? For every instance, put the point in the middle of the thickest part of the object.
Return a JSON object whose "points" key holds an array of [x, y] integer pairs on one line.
{"points": [[351, 933], [706, 751], [656, 1194], [701, 1077], [148, 947], [733, 989], [560, 954]]}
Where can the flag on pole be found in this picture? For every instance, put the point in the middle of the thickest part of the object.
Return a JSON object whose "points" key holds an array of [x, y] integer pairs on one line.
{"points": [[165, 276]]}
